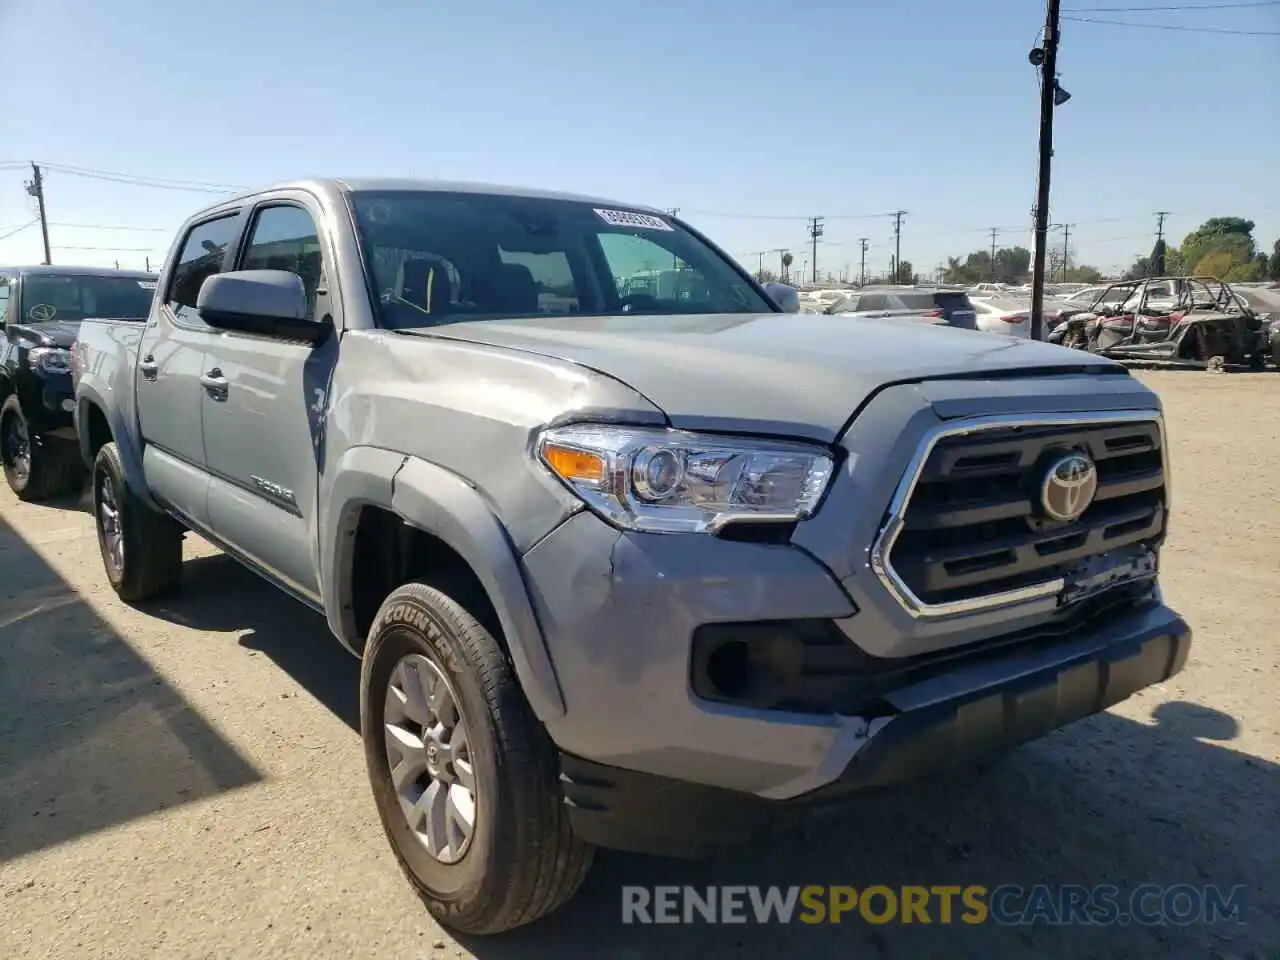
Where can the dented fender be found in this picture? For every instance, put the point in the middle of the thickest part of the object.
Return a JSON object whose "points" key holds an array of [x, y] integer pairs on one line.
{"points": [[433, 499]]}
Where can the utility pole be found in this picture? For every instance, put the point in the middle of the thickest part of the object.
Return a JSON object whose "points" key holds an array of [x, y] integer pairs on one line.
{"points": [[36, 189], [897, 242], [759, 255], [1047, 60], [994, 232], [148, 262], [782, 266], [862, 270], [815, 231], [1155, 266], [1066, 249]]}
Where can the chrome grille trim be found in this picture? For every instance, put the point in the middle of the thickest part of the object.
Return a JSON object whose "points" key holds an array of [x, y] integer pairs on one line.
{"points": [[1043, 594]]}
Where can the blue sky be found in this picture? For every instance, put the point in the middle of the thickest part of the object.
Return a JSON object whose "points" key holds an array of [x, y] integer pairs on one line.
{"points": [[778, 110]]}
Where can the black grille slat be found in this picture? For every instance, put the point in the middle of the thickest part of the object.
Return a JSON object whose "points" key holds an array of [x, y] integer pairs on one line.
{"points": [[982, 455], [928, 516], [974, 525]]}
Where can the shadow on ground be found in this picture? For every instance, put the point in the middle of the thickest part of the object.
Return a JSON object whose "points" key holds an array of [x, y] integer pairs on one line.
{"points": [[219, 594], [1107, 801], [90, 735]]}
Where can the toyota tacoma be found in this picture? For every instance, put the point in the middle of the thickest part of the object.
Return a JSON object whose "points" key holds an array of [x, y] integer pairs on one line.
{"points": [[626, 566]]}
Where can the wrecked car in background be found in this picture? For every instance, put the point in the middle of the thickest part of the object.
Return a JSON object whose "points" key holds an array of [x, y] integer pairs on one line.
{"points": [[1182, 320]]}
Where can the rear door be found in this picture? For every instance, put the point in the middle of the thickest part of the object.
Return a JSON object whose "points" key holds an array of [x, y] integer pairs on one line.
{"points": [[263, 407], [170, 364]]}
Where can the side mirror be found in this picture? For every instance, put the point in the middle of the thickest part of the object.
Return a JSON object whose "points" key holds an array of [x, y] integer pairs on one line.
{"points": [[272, 303], [786, 297]]}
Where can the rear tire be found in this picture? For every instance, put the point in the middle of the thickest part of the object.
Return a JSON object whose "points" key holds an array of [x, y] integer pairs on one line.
{"points": [[35, 467], [517, 860], [141, 548]]}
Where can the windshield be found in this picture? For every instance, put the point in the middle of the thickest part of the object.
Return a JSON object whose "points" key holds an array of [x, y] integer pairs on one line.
{"points": [[438, 257], [47, 297]]}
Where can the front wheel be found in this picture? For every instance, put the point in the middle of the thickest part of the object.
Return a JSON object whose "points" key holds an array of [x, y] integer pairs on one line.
{"points": [[463, 775], [141, 548], [34, 467]]}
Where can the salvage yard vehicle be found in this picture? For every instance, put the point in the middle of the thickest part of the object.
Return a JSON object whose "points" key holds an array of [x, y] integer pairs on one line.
{"points": [[945, 308], [41, 308], [648, 573], [1180, 320]]}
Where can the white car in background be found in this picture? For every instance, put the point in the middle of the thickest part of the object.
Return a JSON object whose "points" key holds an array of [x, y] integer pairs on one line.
{"points": [[1010, 315]]}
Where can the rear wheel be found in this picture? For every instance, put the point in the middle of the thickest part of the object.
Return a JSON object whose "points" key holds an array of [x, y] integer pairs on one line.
{"points": [[141, 548], [463, 775], [35, 467]]}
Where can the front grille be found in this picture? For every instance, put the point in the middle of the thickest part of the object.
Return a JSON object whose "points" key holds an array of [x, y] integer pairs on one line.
{"points": [[974, 526]]}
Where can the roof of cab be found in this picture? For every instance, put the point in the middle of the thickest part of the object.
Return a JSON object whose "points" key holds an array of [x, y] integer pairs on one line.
{"points": [[336, 185], [57, 271]]}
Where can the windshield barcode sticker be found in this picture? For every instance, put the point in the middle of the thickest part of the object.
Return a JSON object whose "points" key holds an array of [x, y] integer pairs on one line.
{"points": [[147, 284], [626, 218]]}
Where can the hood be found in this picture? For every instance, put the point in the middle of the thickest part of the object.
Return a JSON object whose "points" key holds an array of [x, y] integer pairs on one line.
{"points": [[789, 374], [55, 333]]}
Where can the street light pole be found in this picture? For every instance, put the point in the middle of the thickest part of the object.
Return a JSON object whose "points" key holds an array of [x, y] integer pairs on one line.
{"points": [[1047, 60]]}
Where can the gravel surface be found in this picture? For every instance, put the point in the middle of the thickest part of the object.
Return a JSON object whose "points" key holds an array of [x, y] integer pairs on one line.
{"points": [[186, 781]]}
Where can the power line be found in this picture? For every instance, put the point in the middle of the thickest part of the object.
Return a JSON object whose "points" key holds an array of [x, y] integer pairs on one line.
{"points": [[16, 230], [1190, 6], [103, 226], [172, 181], [1170, 26], [773, 216], [112, 249], [133, 181]]}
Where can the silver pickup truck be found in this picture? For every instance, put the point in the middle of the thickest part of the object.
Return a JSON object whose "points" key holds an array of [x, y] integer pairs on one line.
{"points": [[624, 569]]}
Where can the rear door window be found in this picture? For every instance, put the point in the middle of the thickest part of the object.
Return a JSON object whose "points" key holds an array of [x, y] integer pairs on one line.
{"points": [[201, 256], [915, 301], [952, 300], [872, 301]]}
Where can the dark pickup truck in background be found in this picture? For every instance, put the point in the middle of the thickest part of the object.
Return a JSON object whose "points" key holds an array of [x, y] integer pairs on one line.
{"points": [[41, 308]]}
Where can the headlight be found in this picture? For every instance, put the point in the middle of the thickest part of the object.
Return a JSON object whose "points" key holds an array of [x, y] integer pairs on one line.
{"points": [[50, 359], [669, 481]]}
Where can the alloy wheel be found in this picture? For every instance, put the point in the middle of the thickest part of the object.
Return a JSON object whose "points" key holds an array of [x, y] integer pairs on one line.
{"points": [[109, 525], [429, 756]]}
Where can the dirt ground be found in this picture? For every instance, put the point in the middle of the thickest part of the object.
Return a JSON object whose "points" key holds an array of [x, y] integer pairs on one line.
{"points": [[187, 782]]}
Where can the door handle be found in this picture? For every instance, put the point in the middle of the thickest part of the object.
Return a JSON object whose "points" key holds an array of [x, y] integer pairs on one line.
{"points": [[215, 383], [148, 367]]}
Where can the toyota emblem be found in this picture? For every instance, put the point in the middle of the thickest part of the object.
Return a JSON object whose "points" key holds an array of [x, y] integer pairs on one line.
{"points": [[1069, 487]]}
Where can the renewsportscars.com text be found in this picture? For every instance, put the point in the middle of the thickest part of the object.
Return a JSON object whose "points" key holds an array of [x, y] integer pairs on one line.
{"points": [[1007, 904]]}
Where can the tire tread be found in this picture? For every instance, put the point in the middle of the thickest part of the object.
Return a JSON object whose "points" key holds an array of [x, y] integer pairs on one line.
{"points": [[153, 540], [54, 470], [554, 862]]}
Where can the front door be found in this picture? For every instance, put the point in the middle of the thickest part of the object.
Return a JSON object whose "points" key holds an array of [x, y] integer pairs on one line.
{"points": [[170, 362], [262, 402]]}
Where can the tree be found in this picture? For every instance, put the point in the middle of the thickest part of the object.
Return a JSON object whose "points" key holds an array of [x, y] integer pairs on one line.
{"points": [[1084, 274], [1218, 264], [1233, 235], [1273, 269], [905, 273], [1013, 265], [1148, 267]]}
